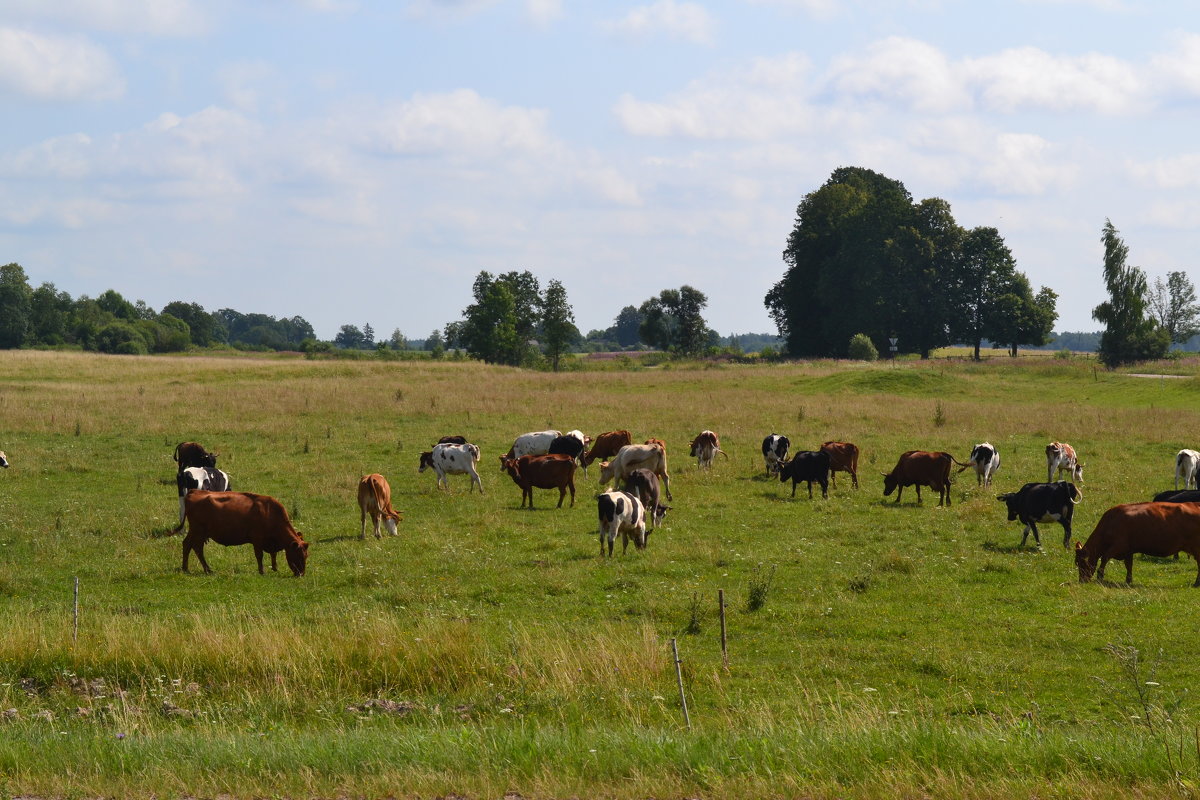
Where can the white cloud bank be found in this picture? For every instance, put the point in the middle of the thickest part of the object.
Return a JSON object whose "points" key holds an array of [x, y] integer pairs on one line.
{"points": [[56, 68]]}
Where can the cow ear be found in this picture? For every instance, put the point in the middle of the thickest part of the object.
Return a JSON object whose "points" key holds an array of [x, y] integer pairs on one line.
{"points": [[884, 474]]}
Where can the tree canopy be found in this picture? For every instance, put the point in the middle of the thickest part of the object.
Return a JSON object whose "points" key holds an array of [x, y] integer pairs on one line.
{"points": [[1130, 333]]}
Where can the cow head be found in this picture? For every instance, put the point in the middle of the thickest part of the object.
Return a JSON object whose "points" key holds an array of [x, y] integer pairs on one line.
{"points": [[660, 511], [1010, 499], [512, 466], [426, 461], [1078, 472], [607, 471], [297, 555], [1086, 565], [889, 482], [3, 460]]}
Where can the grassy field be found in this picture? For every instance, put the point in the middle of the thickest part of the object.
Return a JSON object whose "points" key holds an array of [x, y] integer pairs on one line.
{"points": [[900, 650]]}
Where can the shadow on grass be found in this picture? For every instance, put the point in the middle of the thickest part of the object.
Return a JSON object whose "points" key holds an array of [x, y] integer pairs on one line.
{"points": [[346, 538], [163, 532], [1009, 549]]}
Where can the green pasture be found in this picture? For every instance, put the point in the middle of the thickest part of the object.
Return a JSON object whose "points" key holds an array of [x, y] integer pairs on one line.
{"points": [[899, 650]]}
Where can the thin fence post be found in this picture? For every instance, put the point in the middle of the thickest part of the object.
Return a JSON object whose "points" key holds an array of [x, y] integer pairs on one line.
{"points": [[679, 679], [724, 640], [75, 615]]}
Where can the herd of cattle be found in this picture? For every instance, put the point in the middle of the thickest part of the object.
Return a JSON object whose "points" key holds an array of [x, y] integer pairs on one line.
{"points": [[633, 506]]}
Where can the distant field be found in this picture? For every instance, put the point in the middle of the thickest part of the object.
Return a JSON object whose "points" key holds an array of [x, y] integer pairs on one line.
{"points": [[901, 651]]}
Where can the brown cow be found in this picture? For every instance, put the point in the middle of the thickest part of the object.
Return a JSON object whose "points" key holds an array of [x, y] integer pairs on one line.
{"points": [[705, 447], [543, 472], [193, 454], [659, 443], [233, 518], [843, 457], [1156, 529], [920, 468], [606, 445], [375, 498]]}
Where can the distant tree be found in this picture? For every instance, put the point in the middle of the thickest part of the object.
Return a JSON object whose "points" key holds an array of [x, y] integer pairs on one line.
{"points": [[202, 325], [368, 337], [16, 305], [1130, 334], [112, 302], [499, 326], [559, 333], [49, 315], [984, 272], [673, 321], [435, 344], [397, 340], [1174, 306], [626, 325], [349, 337]]}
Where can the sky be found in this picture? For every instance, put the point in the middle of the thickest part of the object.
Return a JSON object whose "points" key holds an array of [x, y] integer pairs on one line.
{"points": [[356, 162]]}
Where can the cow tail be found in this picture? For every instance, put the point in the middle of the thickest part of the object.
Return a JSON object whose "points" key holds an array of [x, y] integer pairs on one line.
{"points": [[961, 464], [722, 452], [175, 455]]}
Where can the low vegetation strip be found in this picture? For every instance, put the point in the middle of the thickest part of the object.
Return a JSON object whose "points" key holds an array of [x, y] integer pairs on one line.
{"points": [[873, 648]]}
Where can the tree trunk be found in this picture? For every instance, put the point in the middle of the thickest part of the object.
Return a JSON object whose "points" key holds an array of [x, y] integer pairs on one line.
{"points": [[978, 342]]}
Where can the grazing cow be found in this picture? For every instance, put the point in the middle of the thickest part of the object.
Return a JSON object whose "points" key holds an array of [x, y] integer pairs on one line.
{"points": [[193, 454], [1060, 457], [1182, 496], [3, 460], [1186, 464], [606, 445], [1155, 529], [809, 466], [375, 498], [705, 447], [843, 457], [986, 460], [775, 450], [644, 484], [1042, 502], [189, 479], [530, 444], [452, 440], [452, 459], [233, 518], [921, 468], [543, 472], [571, 444], [637, 456], [621, 512]]}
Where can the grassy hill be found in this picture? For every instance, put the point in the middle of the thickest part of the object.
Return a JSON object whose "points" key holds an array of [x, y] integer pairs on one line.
{"points": [[900, 650]]}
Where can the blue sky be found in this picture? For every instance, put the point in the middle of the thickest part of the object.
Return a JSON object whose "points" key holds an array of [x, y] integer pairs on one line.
{"points": [[358, 162]]}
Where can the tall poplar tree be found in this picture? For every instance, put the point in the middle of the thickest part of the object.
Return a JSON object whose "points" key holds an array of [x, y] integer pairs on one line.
{"points": [[1130, 334]]}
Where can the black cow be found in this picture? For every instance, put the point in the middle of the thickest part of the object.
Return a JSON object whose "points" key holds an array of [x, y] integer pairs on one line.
{"points": [[807, 465], [1043, 502], [210, 479], [775, 451], [643, 484], [1178, 496]]}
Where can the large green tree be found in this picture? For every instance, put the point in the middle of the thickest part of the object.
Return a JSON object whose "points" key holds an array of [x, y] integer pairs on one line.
{"points": [[499, 326], [559, 333], [674, 321], [1022, 317], [984, 272], [1130, 334], [16, 305]]}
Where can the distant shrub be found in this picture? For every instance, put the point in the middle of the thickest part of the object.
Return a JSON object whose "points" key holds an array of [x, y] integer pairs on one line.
{"points": [[760, 587], [1063, 354], [862, 348]]}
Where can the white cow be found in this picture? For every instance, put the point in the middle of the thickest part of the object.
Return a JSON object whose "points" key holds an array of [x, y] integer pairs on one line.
{"points": [[452, 459], [637, 456], [623, 513], [1186, 464], [1060, 457], [775, 450], [986, 461], [536, 443]]}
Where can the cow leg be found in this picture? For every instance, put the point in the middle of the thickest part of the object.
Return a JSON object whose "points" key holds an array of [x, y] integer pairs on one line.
{"points": [[854, 478], [666, 480], [624, 541], [362, 523], [1197, 583], [179, 527], [810, 483], [899, 491], [1100, 569], [794, 488], [1129, 570], [919, 501], [1066, 533], [571, 486], [377, 517], [562, 493], [833, 479], [258, 554], [825, 489], [475, 481]]}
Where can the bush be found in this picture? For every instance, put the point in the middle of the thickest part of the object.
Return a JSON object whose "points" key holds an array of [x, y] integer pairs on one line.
{"points": [[862, 348]]}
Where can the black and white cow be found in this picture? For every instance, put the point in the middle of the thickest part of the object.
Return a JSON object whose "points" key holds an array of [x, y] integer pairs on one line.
{"points": [[986, 461], [644, 484], [210, 479], [1043, 502], [809, 466], [3, 460], [775, 451], [452, 459], [571, 443], [623, 513]]}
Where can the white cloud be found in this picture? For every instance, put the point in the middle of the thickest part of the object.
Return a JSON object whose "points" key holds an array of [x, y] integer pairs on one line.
{"points": [[822, 9], [767, 98], [681, 20], [56, 68], [163, 17], [1179, 70], [1178, 172], [1030, 78], [457, 123], [901, 70], [543, 12]]}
